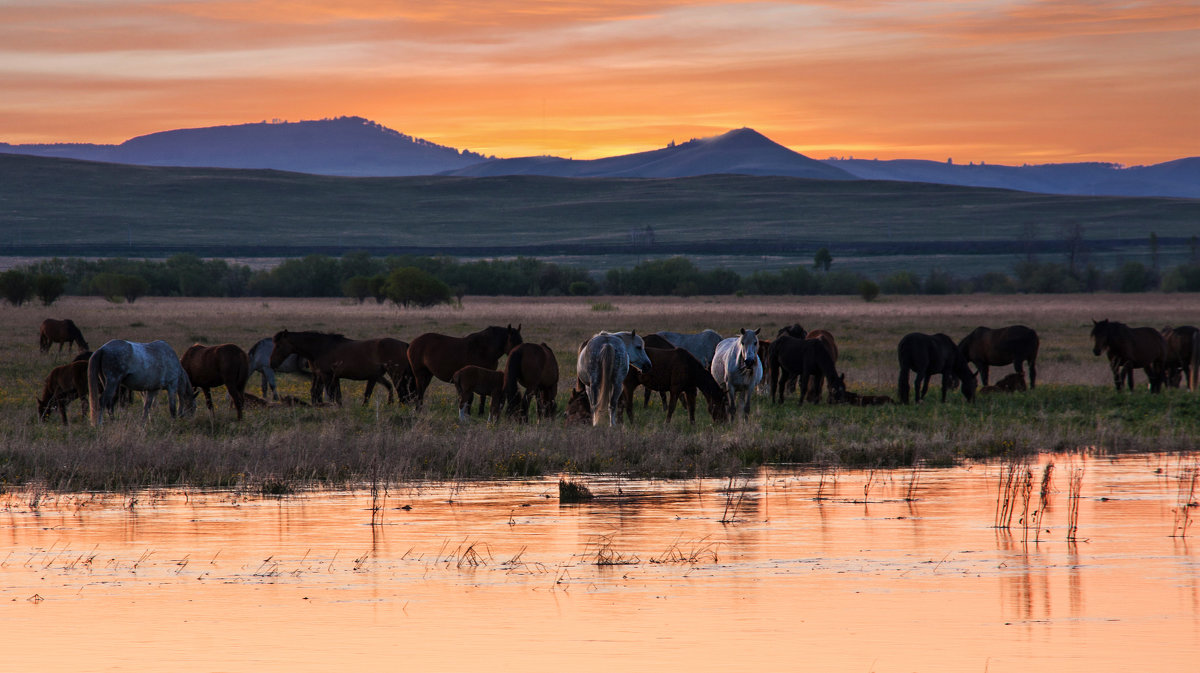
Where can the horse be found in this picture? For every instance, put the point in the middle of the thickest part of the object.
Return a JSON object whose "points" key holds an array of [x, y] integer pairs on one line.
{"points": [[1012, 383], [737, 368], [534, 367], [63, 384], [474, 380], [148, 367], [701, 345], [334, 357], [1131, 348], [260, 361], [210, 366], [601, 367], [432, 354], [793, 330], [929, 354], [1015, 345], [1183, 345], [60, 332], [825, 338], [808, 360], [678, 372], [579, 412], [856, 400]]}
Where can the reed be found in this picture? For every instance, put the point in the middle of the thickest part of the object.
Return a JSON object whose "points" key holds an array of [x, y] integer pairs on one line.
{"points": [[1074, 494], [602, 552], [1185, 500], [571, 491]]}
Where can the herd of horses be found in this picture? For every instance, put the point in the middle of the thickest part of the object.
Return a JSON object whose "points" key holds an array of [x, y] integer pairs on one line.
{"points": [[610, 366]]}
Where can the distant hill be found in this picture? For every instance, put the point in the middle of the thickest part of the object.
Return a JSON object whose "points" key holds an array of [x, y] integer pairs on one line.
{"points": [[739, 152], [1180, 178], [349, 146]]}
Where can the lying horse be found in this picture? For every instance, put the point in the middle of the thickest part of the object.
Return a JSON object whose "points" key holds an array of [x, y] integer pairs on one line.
{"points": [[432, 354], [1012, 383], [210, 366], [63, 384], [334, 357], [737, 368], [1183, 345], [60, 332], [1015, 345], [534, 367], [601, 367], [808, 360], [1131, 348], [149, 367], [929, 354], [678, 372], [474, 380], [260, 361]]}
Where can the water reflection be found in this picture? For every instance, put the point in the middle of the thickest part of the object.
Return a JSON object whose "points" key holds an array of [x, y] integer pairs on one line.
{"points": [[822, 569]]}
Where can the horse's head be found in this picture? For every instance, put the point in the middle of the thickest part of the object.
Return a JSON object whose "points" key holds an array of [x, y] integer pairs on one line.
{"points": [[1099, 336], [512, 337], [637, 352], [794, 330], [45, 406], [968, 387], [718, 408], [747, 355], [837, 388], [283, 348]]}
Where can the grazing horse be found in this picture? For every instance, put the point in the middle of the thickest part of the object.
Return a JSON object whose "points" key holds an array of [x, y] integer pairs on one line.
{"points": [[1015, 345], [260, 361], [929, 354], [334, 357], [1131, 348], [702, 345], [60, 332], [534, 367], [432, 354], [601, 367], [579, 412], [474, 380], [1012, 383], [149, 367], [210, 366], [737, 368], [808, 360], [63, 384], [1183, 344], [678, 372]]}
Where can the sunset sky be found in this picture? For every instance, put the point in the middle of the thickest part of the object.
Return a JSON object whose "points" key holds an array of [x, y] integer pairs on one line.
{"points": [[1001, 81]]}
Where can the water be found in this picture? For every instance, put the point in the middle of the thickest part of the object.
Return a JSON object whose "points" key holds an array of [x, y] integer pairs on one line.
{"points": [[499, 576]]}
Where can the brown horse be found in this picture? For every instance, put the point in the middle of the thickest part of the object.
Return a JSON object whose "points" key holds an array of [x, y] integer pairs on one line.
{"points": [[1183, 344], [334, 357], [1015, 345], [804, 359], [579, 410], [1013, 383], [473, 380], [926, 355], [678, 372], [211, 366], [60, 332], [534, 367], [63, 384], [432, 354], [1131, 348], [826, 339]]}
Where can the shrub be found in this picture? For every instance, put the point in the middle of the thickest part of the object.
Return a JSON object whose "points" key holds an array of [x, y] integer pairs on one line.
{"points": [[411, 286], [16, 286], [49, 287], [868, 290]]}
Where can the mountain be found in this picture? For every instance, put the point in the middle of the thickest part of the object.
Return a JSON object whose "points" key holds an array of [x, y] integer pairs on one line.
{"points": [[347, 146], [738, 152], [1180, 178]]}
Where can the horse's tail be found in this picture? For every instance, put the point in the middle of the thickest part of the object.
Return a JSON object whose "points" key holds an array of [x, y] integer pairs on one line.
{"points": [[96, 386], [604, 383], [1194, 365], [236, 375]]}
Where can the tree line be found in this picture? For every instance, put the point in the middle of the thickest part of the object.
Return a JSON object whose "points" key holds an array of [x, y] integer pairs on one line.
{"points": [[410, 280]]}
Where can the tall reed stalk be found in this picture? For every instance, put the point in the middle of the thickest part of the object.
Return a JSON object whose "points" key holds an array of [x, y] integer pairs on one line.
{"points": [[1073, 496], [1188, 477]]}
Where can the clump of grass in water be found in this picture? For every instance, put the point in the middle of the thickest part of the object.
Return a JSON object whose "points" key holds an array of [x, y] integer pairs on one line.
{"points": [[572, 491], [603, 554]]}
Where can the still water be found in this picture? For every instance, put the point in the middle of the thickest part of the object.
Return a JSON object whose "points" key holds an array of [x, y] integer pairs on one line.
{"points": [[822, 571]]}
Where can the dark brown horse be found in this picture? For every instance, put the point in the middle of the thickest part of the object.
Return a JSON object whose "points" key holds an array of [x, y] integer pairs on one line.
{"points": [[1013, 383], [432, 354], [1015, 345], [579, 410], [930, 354], [472, 380], [334, 357], [534, 367], [212, 366], [678, 372], [826, 339], [803, 361], [63, 384], [60, 332], [1131, 348], [1183, 345]]}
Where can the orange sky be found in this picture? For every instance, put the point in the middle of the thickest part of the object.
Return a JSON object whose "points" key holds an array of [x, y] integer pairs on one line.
{"points": [[1001, 81]]}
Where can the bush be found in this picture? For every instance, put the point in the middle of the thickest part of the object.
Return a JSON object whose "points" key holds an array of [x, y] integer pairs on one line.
{"points": [[868, 290], [49, 287], [901, 282], [116, 286], [411, 286], [1134, 277], [16, 286], [357, 288], [579, 288]]}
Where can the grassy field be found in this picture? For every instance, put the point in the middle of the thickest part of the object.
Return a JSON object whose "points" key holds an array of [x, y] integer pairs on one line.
{"points": [[1074, 407]]}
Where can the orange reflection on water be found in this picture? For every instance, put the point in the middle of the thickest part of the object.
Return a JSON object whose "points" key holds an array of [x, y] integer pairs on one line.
{"points": [[500, 576]]}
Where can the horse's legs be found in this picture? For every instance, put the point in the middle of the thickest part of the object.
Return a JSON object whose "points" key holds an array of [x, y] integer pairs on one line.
{"points": [[150, 395], [208, 401], [983, 370]]}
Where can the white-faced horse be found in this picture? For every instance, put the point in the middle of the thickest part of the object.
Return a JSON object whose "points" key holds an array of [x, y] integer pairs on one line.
{"points": [[738, 369], [702, 345], [149, 367], [603, 363], [260, 361]]}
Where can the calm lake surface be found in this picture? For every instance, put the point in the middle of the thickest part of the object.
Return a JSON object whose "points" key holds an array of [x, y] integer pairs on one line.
{"points": [[823, 571]]}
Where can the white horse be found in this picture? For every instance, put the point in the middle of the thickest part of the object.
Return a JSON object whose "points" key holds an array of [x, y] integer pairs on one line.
{"points": [[602, 366], [260, 361], [702, 345], [737, 368], [150, 367]]}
